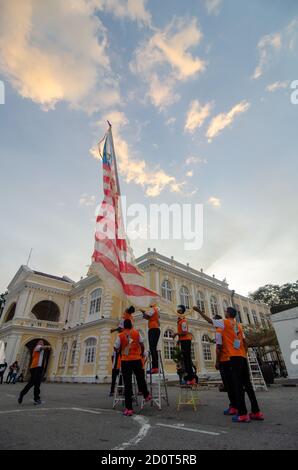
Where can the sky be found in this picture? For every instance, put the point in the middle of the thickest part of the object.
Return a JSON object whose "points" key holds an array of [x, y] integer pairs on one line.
{"points": [[199, 96]]}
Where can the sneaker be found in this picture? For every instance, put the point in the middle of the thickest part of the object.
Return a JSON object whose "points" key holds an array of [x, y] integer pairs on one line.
{"points": [[241, 419], [257, 416], [149, 397], [20, 399], [37, 402], [127, 412], [230, 411], [191, 382], [154, 371]]}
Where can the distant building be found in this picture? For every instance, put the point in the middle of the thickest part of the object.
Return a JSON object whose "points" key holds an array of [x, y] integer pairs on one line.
{"points": [[75, 318]]}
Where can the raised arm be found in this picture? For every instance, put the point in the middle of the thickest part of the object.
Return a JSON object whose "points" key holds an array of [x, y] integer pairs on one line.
{"points": [[202, 314]]}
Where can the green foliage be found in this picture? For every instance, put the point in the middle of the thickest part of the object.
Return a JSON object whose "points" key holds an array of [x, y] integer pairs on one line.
{"points": [[273, 294]]}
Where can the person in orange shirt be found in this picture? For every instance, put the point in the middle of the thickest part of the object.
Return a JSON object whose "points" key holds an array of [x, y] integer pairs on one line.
{"points": [[153, 334], [185, 339], [127, 315], [235, 344], [223, 365], [36, 371], [130, 344]]}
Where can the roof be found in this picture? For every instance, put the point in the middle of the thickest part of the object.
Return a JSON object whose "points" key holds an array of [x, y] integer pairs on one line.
{"points": [[51, 276], [281, 308]]}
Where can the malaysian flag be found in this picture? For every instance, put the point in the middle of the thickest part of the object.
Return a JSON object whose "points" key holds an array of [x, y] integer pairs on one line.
{"points": [[113, 260]]}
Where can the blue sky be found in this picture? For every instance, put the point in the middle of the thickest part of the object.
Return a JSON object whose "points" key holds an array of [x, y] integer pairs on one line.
{"points": [[200, 101]]}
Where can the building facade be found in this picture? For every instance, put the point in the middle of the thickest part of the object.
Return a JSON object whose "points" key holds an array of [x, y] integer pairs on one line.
{"points": [[75, 318]]}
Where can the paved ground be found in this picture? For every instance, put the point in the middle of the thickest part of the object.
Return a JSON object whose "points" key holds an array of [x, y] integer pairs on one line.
{"points": [[79, 416]]}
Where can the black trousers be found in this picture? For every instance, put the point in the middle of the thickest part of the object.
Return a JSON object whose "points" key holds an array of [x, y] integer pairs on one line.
{"points": [[186, 352], [225, 370], [1, 377], [115, 373], [153, 336], [8, 378], [242, 384], [128, 368], [35, 381]]}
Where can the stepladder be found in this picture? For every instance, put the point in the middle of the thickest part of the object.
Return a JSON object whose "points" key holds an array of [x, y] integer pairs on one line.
{"points": [[256, 375], [119, 397], [188, 395], [157, 384]]}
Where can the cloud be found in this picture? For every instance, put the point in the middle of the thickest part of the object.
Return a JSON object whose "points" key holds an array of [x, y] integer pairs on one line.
{"points": [[171, 121], [223, 120], [213, 6], [276, 86], [189, 174], [195, 160], [153, 180], [214, 201], [165, 59], [196, 115], [43, 61], [86, 200], [134, 10], [267, 45]]}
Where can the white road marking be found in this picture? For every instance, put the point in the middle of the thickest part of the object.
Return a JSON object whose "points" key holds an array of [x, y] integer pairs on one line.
{"points": [[183, 428], [145, 426], [24, 410], [87, 411]]}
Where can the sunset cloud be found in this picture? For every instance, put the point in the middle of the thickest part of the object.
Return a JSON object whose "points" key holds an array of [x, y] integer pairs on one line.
{"points": [[223, 120], [196, 115]]}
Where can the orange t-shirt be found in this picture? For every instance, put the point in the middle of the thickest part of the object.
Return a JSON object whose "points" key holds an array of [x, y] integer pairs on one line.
{"points": [[130, 345], [183, 328], [37, 357], [224, 356], [232, 336], [153, 321]]}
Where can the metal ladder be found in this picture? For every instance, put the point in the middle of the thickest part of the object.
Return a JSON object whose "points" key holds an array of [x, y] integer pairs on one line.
{"points": [[256, 375], [120, 397], [157, 385]]}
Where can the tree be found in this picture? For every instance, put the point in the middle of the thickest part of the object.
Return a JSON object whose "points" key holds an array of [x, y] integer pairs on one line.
{"points": [[273, 294], [2, 301]]}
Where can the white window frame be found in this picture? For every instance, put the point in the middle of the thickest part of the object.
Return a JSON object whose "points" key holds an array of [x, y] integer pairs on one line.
{"points": [[214, 305], [95, 302], [90, 350], [168, 344], [73, 352], [166, 290], [184, 296], [200, 301], [63, 356], [207, 352]]}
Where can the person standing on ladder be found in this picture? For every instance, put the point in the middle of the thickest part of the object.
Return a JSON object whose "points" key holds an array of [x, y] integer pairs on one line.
{"points": [[153, 335], [185, 339], [234, 341], [130, 344]]}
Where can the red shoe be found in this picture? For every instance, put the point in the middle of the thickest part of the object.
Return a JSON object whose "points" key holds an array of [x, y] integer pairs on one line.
{"points": [[191, 382], [257, 416], [154, 371], [149, 397], [230, 411], [241, 419], [127, 412]]}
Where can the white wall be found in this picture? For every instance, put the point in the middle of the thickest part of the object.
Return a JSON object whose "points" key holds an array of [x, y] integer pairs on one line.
{"points": [[286, 326]]}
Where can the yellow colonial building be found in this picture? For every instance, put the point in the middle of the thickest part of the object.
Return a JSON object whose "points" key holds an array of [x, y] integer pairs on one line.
{"points": [[75, 318]]}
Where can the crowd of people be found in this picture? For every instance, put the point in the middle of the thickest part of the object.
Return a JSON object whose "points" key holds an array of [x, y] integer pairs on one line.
{"points": [[129, 357]]}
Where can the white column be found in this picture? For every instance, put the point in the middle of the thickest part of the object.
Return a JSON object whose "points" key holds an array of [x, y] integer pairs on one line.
{"points": [[12, 348], [21, 303], [201, 355], [55, 359], [157, 281], [107, 305], [29, 305], [103, 353]]}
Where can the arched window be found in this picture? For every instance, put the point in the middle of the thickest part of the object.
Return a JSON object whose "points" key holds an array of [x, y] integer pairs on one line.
{"points": [[46, 310], [225, 304], [206, 348], [214, 305], [255, 317], [73, 352], [10, 313], [238, 317], [95, 302], [245, 310], [166, 290], [168, 344], [63, 355], [90, 351], [201, 301], [184, 296]]}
